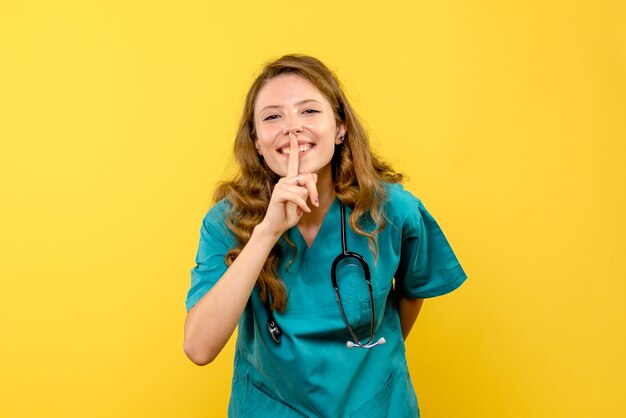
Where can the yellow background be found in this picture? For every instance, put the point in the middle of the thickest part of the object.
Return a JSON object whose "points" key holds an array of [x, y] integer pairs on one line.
{"points": [[116, 120]]}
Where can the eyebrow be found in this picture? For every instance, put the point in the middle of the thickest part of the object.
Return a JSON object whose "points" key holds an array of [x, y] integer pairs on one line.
{"points": [[301, 102]]}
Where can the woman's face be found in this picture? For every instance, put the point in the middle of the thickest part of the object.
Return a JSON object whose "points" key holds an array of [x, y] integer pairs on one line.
{"points": [[291, 103]]}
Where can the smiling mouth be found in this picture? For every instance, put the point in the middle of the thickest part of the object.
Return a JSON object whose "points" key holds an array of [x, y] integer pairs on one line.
{"points": [[302, 148]]}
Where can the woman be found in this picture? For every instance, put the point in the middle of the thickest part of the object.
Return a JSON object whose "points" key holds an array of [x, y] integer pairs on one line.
{"points": [[267, 249]]}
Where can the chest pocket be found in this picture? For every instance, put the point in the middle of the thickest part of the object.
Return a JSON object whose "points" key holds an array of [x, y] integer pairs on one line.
{"points": [[353, 290], [361, 304], [310, 290]]}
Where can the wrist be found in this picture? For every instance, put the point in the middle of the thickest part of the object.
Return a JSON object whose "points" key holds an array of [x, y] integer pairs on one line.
{"points": [[266, 231]]}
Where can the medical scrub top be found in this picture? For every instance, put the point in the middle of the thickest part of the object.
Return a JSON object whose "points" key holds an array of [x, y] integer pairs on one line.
{"points": [[312, 373]]}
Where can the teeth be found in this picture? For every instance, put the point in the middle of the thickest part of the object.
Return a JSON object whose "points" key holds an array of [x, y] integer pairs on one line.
{"points": [[302, 148]]}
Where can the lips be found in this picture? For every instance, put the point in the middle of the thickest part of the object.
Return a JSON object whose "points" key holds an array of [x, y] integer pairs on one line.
{"points": [[301, 147]]}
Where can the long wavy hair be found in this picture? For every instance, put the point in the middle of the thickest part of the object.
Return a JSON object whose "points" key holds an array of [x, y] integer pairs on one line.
{"points": [[358, 175]]}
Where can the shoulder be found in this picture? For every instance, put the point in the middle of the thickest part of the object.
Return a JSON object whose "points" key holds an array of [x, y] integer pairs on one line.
{"points": [[214, 221], [218, 211], [399, 201], [398, 192], [401, 208]]}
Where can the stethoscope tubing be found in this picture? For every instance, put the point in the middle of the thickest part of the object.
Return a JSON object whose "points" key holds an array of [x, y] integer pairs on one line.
{"points": [[274, 329], [345, 254]]}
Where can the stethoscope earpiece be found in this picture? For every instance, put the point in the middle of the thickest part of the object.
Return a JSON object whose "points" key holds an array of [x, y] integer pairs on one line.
{"points": [[351, 344]]}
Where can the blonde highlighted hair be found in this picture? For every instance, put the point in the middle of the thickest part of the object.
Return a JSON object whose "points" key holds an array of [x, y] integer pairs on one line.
{"points": [[358, 174]]}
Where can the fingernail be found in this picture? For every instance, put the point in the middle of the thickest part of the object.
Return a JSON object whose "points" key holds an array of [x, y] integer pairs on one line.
{"points": [[317, 202]]}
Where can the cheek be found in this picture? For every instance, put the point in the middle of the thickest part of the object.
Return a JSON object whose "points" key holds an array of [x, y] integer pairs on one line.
{"points": [[261, 141], [265, 136], [262, 144]]}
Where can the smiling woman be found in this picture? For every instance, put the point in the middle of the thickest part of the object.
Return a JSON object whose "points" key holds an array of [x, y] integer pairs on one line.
{"points": [[279, 228]]}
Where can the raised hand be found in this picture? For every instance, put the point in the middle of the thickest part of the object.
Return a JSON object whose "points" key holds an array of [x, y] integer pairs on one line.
{"points": [[289, 198]]}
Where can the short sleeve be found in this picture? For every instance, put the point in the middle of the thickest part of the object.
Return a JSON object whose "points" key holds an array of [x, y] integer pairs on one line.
{"points": [[428, 266], [215, 241]]}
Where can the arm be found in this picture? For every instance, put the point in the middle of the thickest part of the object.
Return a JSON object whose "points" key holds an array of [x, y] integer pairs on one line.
{"points": [[211, 322], [408, 310]]}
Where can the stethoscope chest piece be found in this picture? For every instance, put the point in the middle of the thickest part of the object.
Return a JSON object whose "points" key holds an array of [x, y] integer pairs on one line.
{"points": [[272, 326], [274, 330]]}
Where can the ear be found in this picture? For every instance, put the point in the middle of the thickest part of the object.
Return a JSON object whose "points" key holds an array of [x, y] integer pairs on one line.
{"points": [[258, 148], [341, 132]]}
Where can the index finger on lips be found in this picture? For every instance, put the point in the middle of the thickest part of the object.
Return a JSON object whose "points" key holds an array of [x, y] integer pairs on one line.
{"points": [[294, 156]]}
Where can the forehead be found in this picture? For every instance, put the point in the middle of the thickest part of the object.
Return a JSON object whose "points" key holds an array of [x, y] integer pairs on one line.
{"points": [[286, 89]]}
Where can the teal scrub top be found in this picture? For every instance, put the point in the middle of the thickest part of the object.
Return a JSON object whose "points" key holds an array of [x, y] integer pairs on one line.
{"points": [[312, 373]]}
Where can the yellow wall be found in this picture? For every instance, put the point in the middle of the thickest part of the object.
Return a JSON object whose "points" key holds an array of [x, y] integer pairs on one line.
{"points": [[116, 119]]}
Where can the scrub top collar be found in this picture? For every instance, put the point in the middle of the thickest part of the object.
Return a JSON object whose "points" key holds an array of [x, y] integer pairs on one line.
{"points": [[331, 218]]}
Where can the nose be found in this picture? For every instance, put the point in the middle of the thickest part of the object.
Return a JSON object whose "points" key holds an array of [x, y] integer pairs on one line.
{"points": [[293, 125]]}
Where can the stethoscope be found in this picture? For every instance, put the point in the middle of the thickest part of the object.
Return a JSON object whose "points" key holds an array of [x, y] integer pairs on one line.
{"points": [[274, 329]]}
